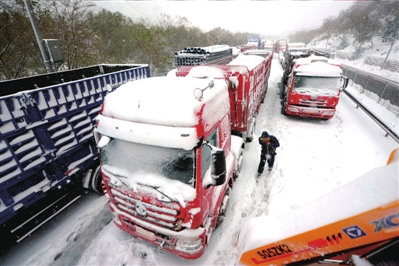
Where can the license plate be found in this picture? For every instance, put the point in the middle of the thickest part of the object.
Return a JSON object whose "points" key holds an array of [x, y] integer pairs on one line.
{"points": [[313, 112], [147, 234]]}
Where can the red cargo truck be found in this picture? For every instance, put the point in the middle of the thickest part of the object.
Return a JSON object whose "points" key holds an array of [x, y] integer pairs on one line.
{"points": [[312, 86], [247, 77]]}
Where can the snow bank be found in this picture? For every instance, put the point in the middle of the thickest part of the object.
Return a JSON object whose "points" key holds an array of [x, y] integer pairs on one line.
{"points": [[363, 194]]}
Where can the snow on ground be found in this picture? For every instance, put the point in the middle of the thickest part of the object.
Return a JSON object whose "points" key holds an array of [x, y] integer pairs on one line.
{"points": [[375, 48], [315, 157]]}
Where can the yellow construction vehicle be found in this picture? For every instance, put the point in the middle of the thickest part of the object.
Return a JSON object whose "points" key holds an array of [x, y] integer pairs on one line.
{"points": [[357, 222]]}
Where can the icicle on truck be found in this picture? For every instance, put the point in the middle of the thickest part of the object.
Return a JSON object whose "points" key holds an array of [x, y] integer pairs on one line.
{"points": [[248, 77], [168, 156], [46, 140], [311, 87]]}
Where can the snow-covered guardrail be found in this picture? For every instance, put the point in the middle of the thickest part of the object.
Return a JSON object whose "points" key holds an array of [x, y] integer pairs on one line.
{"points": [[384, 88], [390, 64], [379, 122]]}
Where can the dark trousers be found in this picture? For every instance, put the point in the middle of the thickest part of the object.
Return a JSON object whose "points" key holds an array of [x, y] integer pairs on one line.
{"points": [[263, 160]]}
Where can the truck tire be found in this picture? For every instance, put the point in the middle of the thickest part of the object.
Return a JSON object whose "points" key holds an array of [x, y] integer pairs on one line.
{"points": [[281, 90], [240, 160], [96, 181], [283, 105], [223, 208], [250, 133], [264, 91]]}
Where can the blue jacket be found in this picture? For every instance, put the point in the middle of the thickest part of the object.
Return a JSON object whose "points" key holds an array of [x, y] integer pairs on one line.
{"points": [[269, 143]]}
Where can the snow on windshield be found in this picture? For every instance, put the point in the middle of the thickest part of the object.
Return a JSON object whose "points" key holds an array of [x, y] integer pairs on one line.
{"points": [[170, 171], [317, 85]]}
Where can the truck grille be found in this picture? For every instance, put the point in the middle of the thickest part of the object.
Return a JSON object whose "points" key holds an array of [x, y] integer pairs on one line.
{"points": [[313, 103], [165, 216]]}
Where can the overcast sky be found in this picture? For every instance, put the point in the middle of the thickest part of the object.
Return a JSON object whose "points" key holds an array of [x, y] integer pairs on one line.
{"points": [[262, 17]]}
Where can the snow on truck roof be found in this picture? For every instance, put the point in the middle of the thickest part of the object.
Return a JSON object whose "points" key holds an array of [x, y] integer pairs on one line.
{"points": [[250, 61], [206, 72], [168, 101], [318, 66], [241, 64], [163, 111]]}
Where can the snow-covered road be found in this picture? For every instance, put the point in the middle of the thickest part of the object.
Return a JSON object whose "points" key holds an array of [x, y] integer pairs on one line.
{"points": [[315, 157]]}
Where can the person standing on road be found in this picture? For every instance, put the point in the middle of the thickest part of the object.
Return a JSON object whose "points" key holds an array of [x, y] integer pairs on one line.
{"points": [[269, 145]]}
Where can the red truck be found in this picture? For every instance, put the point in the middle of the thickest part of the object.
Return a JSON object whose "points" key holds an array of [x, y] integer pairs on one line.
{"points": [[168, 159], [247, 85], [281, 46], [311, 87]]}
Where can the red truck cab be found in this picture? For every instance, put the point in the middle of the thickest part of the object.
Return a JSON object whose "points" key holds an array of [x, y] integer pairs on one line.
{"points": [[313, 88], [168, 160], [247, 80]]}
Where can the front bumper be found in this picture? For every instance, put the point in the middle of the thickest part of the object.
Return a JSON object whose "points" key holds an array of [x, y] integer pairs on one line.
{"points": [[312, 112], [188, 243]]}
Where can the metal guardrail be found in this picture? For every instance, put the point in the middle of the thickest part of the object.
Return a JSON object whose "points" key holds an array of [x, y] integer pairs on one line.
{"points": [[384, 88], [387, 129]]}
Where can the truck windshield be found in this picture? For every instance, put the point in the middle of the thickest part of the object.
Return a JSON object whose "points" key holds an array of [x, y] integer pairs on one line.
{"points": [[317, 85], [132, 160]]}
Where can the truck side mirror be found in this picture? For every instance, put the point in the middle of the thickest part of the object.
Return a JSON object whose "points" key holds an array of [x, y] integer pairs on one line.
{"points": [[346, 81], [218, 167], [104, 141]]}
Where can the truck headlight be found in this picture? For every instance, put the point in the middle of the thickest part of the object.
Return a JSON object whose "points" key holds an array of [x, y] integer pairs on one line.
{"points": [[115, 181], [329, 112], [189, 245], [293, 109]]}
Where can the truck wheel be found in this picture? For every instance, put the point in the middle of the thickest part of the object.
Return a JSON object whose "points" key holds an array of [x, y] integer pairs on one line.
{"points": [[281, 90], [283, 108], [264, 92], [223, 208], [96, 181], [240, 159], [250, 133]]}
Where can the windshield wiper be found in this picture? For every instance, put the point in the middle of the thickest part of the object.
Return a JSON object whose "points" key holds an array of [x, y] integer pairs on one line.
{"points": [[157, 189]]}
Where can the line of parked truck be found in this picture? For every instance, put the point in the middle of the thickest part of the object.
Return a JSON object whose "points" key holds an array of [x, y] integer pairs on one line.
{"points": [[171, 148], [187, 133], [165, 150]]}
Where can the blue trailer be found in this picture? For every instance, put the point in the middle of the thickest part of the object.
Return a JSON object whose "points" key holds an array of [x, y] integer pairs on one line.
{"points": [[46, 139], [255, 41]]}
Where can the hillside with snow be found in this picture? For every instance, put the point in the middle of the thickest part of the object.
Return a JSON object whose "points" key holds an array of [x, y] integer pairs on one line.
{"points": [[375, 48]]}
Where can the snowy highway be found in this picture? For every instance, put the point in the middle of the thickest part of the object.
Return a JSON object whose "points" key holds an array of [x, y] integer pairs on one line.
{"points": [[315, 157]]}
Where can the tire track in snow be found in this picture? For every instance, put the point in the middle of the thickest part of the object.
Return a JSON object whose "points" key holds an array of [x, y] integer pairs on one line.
{"points": [[80, 240]]}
